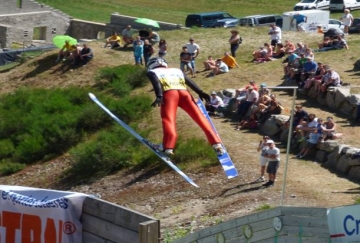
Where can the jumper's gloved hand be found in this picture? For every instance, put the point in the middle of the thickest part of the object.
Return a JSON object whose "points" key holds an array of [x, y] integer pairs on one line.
{"points": [[158, 101], [204, 96]]}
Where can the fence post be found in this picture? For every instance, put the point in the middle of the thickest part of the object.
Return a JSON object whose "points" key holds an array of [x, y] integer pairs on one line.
{"points": [[149, 232]]}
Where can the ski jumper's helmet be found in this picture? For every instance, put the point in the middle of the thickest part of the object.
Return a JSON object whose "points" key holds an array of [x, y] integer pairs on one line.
{"points": [[156, 62]]}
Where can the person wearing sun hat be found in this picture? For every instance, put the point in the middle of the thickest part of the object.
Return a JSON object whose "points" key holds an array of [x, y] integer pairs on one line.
{"points": [[234, 41], [214, 103], [273, 156]]}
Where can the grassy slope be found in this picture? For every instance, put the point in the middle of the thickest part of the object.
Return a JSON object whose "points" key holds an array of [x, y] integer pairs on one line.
{"points": [[161, 10]]}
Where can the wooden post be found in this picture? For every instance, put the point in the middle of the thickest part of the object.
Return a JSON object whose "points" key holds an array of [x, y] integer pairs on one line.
{"points": [[149, 232]]}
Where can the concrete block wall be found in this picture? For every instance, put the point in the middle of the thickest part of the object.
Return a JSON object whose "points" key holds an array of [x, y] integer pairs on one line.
{"points": [[119, 22], [28, 21], [81, 29]]}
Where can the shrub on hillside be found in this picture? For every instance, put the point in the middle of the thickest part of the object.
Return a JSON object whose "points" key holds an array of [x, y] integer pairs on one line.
{"points": [[41, 122], [121, 80], [112, 150], [8, 168]]}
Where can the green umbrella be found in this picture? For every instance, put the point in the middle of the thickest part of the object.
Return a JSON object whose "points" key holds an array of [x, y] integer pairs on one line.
{"points": [[146, 21], [59, 40]]}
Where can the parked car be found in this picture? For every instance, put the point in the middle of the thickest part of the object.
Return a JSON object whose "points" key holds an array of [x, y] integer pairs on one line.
{"points": [[335, 24], [260, 20], [340, 5], [312, 4], [206, 19], [226, 23], [355, 27]]}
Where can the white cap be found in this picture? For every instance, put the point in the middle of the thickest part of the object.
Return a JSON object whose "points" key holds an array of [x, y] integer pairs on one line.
{"points": [[269, 141]]}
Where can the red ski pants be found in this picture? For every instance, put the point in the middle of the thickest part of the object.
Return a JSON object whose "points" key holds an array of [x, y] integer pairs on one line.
{"points": [[173, 99]]}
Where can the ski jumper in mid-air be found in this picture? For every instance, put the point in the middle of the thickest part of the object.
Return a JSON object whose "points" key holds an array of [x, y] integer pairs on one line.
{"points": [[170, 90]]}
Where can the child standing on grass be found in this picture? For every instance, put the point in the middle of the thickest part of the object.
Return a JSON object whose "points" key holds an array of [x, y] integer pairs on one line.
{"points": [[314, 137], [138, 52]]}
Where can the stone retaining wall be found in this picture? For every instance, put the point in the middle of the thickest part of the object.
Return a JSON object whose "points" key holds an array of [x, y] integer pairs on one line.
{"points": [[332, 153]]}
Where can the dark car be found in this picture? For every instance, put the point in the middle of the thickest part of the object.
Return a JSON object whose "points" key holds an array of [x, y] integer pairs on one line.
{"points": [[226, 23], [206, 20], [355, 27]]}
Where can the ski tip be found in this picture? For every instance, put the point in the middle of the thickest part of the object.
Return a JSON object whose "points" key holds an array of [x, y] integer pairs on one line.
{"points": [[92, 96]]}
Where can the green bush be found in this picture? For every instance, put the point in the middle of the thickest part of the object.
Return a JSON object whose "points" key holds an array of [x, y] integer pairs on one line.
{"points": [[112, 150], [121, 80], [42, 122], [6, 148], [8, 168]]}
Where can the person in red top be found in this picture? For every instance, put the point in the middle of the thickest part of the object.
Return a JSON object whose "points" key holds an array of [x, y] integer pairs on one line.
{"points": [[170, 89]]}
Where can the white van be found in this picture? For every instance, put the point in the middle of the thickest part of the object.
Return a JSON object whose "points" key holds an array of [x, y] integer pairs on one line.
{"points": [[311, 19], [340, 5], [312, 4]]}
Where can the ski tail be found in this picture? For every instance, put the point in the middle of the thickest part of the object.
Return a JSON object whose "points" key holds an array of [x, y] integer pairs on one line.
{"points": [[224, 159], [161, 155]]}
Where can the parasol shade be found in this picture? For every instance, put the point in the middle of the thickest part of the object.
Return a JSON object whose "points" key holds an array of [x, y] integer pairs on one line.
{"points": [[149, 22], [59, 40]]}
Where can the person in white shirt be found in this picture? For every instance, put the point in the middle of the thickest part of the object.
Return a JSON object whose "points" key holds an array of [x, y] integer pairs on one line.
{"points": [[220, 67], [194, 49], [214, 103], [127, 35], [347, 19], [252, 97], [275, 34]]}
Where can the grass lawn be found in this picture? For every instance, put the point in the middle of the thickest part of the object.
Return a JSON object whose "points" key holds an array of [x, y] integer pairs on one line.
{"points": [[175, 12]]}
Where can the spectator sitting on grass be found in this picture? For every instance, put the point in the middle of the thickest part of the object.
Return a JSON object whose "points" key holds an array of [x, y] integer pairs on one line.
{"points": [[114, 41], [220, 67], [279, 51], [65, 51], [209, 64], [338, 43], [327, 42], [127, 35], [85, 55], [313, 139], [259, 53], [289, 47], [229, 60]]}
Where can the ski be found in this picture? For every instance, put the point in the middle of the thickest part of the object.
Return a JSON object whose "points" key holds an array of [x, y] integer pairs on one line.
{"points": [[148, 144], [224, 159]]}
